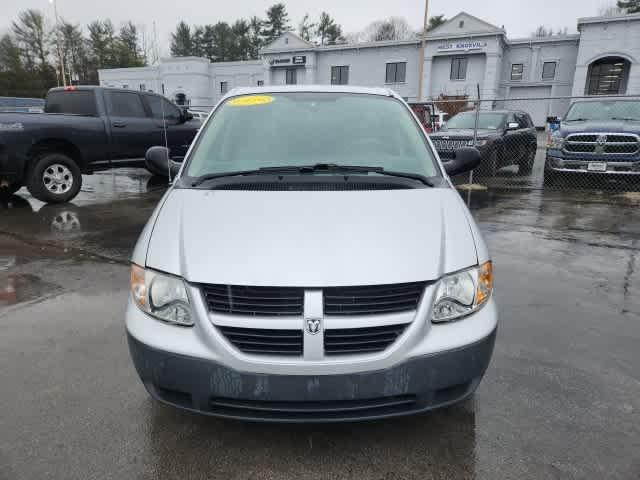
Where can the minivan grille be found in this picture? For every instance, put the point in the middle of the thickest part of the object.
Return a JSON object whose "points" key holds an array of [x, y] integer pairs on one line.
{"points": [[375, 299], [244, 300], [361, 340], [264, 342]]}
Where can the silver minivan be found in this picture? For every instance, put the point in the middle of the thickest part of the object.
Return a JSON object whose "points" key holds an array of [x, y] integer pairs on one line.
{"points": [[311, 262]]}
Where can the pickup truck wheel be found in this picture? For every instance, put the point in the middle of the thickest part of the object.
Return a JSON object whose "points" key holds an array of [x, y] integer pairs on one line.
{"points": [[54, 178]]}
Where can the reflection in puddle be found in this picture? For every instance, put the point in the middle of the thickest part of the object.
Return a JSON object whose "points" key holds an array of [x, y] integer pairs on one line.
{"points": [[17, 288]]}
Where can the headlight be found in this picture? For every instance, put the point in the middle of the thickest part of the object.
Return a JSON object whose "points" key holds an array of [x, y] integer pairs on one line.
{"points": [[161, 296], [480, 142], [462, 293], [556, 141]]}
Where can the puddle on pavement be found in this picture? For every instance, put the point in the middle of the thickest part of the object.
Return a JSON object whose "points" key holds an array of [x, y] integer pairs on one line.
{"points": [[18, 288]]}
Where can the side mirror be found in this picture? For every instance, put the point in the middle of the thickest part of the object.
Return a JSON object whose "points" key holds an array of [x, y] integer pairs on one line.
{"points": [[467, 158], [186, 116], [158, 162], [512, 126]]}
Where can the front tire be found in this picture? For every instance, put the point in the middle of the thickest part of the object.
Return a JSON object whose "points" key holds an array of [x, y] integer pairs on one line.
{"points": [[54, 178], [526, 166], [489, 166]]}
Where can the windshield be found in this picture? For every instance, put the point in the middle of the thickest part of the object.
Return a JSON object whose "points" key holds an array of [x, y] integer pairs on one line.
{"points": [[488, 121], [604, 110], [287, 129]]}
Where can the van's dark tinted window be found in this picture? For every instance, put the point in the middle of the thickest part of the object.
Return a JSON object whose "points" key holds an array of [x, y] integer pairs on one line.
{"points": [[77, 102]]}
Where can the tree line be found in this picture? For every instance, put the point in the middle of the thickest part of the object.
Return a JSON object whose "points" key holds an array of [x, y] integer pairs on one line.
{"points": [[243, 39], [32, 51]]}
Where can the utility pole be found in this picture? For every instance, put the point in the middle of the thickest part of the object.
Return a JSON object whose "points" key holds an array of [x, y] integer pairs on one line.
{"points": [[422, 50], [60, 50]]}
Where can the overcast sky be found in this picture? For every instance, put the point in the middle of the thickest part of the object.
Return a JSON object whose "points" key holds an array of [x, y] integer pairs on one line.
{"points": [[520, 17]]}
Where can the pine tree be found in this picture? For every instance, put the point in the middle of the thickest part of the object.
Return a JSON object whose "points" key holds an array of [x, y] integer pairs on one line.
{"points": [[328, 31], [630, 6], [182, 44], [277, 22]]}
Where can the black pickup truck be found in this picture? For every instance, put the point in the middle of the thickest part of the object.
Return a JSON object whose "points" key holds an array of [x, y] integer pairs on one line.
{"points": [[83, 130]]}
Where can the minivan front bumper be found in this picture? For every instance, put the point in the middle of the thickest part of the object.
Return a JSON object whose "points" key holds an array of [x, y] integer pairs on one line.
{"points": [[415, 385]]}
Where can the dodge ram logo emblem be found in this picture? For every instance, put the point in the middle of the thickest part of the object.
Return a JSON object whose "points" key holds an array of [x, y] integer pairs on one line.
{"points": [[313, 325], [602, 140]]}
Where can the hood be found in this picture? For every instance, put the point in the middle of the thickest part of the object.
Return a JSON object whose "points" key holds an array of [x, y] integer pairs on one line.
{"points": [[463, 133], [311, 239], [613, 126]]}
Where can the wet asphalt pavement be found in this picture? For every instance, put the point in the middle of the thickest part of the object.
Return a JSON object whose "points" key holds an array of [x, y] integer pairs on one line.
{"points": [[561, 398]]}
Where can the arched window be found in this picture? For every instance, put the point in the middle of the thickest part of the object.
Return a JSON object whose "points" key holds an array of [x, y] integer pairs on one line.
{"points": [[608, 76]]}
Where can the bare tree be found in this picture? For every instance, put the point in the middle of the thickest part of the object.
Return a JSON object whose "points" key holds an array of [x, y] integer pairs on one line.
{"points": [[392, 28], [610, 10]]}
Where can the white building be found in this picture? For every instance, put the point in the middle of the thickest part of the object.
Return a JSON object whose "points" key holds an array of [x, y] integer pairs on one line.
{"points": [[461, 55]]}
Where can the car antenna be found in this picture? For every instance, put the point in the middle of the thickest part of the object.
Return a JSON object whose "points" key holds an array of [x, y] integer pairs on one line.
{"points": [[166, 142]]}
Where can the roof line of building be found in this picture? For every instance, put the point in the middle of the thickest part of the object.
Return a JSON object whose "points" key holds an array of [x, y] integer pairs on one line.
{"points": [[604, 19]]}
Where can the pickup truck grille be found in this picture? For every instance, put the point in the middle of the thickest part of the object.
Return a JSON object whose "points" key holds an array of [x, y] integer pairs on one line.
{"points": [[361, 340], [603, 143], [254, 301], [369, 300]]}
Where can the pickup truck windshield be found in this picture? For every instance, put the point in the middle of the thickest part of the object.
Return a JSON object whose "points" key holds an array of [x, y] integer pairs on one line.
{"points": [[604, 110], [288, 129], [488, 121]]}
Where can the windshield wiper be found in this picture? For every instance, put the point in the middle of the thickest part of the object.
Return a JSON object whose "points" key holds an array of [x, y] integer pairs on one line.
{"points": [[318, 167], [626, 119], [577, 120]]}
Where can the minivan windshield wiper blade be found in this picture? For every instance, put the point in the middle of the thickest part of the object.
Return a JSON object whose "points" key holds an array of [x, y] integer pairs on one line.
{"points": [[318, 167], [577, 119], [626, 119]]}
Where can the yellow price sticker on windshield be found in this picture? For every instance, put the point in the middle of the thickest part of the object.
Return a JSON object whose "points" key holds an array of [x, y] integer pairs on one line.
{"points": [[251, 100]]}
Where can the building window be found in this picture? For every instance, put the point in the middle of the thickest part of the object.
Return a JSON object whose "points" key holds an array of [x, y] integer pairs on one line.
{"points": [[340, 75], [291, 76], [461, 24], [260, 83], [517, 71], [608, 76], [224, 87], [396, 72], [163, 88], [459, 68], [549, 70]]}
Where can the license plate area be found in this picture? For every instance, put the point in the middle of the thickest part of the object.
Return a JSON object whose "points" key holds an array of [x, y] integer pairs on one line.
{"points": [[597, 166]]}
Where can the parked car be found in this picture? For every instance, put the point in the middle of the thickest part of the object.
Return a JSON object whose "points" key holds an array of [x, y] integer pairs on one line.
{"points": [[198, 115], [598, 137], [86, 129], [504, 138], [323, 269]]}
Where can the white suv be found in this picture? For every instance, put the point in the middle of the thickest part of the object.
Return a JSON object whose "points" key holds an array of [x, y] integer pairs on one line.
{"points": [[311, 262]]}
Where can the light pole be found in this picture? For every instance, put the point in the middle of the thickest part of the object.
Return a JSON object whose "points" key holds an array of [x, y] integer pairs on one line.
{"points": [[422, 49], [60, 50]]}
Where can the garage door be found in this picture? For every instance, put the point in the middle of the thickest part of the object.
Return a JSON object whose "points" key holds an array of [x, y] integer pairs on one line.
{"points": [[538, 109]]}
